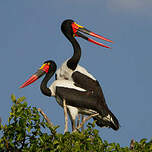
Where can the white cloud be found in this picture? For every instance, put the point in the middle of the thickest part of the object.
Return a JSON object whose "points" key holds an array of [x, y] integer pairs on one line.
{"points": [[131, 6]]}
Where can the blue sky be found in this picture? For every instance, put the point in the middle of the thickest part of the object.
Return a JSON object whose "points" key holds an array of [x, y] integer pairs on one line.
{"points": [[30, 34]]}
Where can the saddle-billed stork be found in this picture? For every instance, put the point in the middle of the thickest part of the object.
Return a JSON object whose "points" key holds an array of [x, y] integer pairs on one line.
{"points": [[70, 67], [87, 99]]}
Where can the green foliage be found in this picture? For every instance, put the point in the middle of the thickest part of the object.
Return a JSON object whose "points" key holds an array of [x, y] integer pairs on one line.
{"points": [[27, 131]]}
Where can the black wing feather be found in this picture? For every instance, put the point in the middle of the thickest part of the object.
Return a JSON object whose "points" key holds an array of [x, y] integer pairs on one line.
{"points": [[81, 99], [89, 84]]}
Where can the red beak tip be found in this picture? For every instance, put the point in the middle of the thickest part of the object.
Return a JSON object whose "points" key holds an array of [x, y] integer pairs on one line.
{"points": [[20, 87], [109, 47]]}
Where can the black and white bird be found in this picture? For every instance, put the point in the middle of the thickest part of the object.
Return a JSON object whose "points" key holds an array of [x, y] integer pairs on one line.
{"points": [[70, 69], [87, 99]]}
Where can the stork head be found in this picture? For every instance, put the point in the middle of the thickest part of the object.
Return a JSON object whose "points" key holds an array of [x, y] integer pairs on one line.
{"points": [[47, 67], [72, 29]]}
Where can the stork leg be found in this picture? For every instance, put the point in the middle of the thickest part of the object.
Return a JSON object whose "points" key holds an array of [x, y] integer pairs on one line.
{"points": [[82, 120], [73, 113], [78, 121], [65, 116], [72, 120], [73, 124]]}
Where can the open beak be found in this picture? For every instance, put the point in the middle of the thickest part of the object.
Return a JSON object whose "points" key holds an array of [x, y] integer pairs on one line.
{"points": [[43, 70], [77, 29]]}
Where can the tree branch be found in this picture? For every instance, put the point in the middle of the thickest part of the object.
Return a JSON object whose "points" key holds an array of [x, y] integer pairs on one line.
{"points": [[132, 144], [45, 117]]}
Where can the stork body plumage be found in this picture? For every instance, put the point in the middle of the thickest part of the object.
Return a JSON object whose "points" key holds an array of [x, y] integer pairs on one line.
{"points": [[71, 30]]}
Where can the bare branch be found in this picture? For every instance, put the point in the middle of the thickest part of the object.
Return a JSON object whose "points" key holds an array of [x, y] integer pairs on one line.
{"points": [[45, 117], [132, 144]]}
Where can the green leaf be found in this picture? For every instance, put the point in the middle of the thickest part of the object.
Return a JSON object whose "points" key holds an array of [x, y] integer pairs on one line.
{"points": [[13, 98], [142, 141], [150, 148], [21, 99], [56, 142], [27, 130]]}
